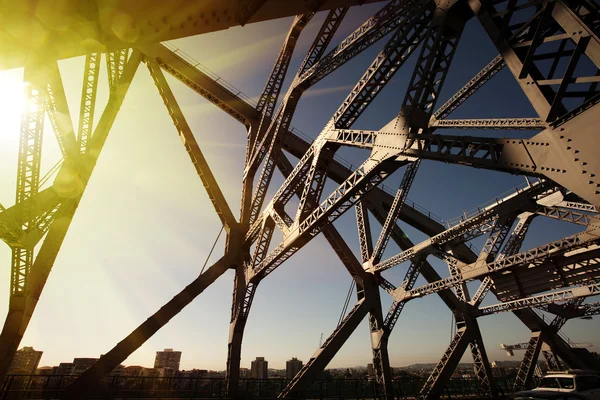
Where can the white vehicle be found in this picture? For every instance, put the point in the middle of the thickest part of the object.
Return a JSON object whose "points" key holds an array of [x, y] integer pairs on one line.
{"points": [[585, 383]]}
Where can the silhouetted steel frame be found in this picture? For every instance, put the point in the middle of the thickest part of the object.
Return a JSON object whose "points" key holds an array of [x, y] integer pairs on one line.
{"points": [[311, 216]]}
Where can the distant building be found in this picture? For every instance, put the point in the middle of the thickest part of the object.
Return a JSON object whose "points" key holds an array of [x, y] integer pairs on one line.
{"points": [[25, 361], [498, 369], [80, 365], [137, 370], [292, 367], [168, 359], [164, 372], [259, 368], [216, 374], [194, 373], [63, 369], [44, 371], [118, 371], [244, 372], [370, 370]]}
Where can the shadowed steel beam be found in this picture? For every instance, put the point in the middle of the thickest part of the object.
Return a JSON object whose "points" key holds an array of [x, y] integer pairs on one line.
{"points": [[470, 88], [574, 217], [28, 171], [268, 132], [191, 145], [214, 92], [390, 17], [512, 246], [115, 62], [99, 25], [326, 352], [373, 80], [58, 113], [433, 387], [364, 231], [143, 332], [538, 255], [72, 179], [247, 9], [268, 98], [240, 307], [372, 170], [195, 79], [88, 99], [28, 177], [527, 367], [328, 28], [472, 227], [536, 95], [390, 221], [528, 302]]}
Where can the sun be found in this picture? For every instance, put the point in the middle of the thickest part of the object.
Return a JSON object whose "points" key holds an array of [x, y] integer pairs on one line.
{"points": [[12, 100]]}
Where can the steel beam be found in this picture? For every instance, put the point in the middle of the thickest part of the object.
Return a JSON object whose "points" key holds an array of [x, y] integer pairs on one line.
{"points": [[470, 88], [525, 373], [111, 359], [101, 25], [193, 149], [21, 308], [490, 123], [322, 357], [88, 99], [433, 387], [554, 297], [58, 113]]}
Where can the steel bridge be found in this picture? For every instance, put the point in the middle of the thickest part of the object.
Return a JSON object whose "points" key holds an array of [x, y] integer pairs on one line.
{"points": [[544, 44]]}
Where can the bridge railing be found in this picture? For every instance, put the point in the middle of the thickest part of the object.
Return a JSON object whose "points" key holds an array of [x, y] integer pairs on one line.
{"points": [[51, 386]]}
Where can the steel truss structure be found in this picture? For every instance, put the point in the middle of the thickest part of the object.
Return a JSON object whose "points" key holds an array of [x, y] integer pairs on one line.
{"points": [[542, 43]]}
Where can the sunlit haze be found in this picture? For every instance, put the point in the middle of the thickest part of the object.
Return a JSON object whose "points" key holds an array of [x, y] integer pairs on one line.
{"points": [[145, 224]]}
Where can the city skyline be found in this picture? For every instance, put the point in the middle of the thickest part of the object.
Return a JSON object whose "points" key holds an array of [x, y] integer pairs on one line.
{"points": [[368, 366], [124, 274]]}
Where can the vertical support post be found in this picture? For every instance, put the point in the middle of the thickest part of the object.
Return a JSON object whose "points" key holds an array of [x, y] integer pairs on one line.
{"points": [[379, 339], [240, 307]]}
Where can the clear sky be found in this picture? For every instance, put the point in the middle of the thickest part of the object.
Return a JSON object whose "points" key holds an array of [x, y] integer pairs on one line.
{"points": [[145, 225]]}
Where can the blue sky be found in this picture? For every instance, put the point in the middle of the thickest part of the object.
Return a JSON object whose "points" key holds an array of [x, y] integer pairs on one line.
{"points": [[145, 225]]}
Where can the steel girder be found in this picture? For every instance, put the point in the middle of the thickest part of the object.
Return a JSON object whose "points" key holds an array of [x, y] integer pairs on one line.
{"points": [[405, 139], [55, 215], [88, 99], [91, 26]]}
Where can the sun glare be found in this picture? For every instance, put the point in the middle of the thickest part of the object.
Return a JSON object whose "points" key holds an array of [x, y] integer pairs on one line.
{"points": [[12, 100]]}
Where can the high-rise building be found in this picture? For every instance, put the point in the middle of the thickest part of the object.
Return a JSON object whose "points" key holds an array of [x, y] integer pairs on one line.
{"points": [[63, 369], [168, 359], [25, 361], [80, 365], [292, 367], [370, 370], [244, 373], [259, 368], [43, 371]]}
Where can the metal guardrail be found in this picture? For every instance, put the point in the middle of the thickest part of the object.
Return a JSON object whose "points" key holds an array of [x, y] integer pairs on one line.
{"points": [[126, 387], [195, 64], [560, 333]]}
